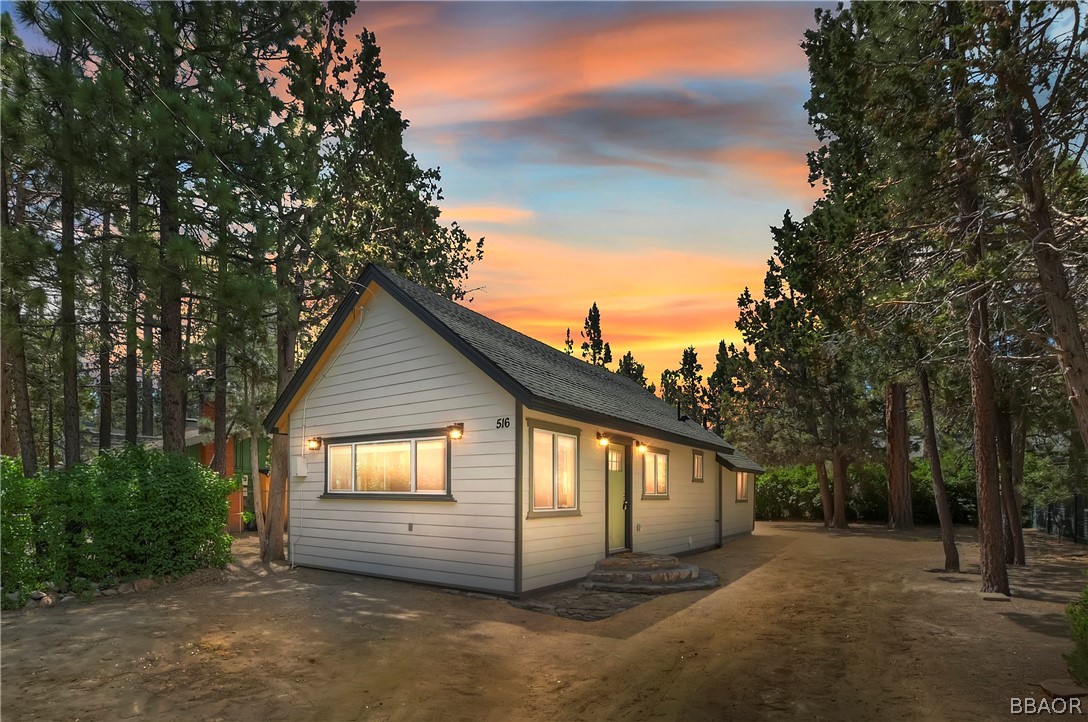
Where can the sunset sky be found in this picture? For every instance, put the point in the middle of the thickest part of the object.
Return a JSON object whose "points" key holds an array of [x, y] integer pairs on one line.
{"points": [[629, 154], [632, 154]]}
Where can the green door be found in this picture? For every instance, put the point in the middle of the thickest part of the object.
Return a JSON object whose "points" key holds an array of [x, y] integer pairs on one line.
{"points": [[617, 499]]}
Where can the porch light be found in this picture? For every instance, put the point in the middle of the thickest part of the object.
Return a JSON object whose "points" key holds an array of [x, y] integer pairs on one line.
{"points": [[602, 439], [313, 443], [641, 447], [455, 431]]}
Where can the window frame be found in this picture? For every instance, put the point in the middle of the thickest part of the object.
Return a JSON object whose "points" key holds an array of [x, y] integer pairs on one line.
{"points": [[658, 451], [413, 437], [534, 425], [697, 454], [747, 476]]}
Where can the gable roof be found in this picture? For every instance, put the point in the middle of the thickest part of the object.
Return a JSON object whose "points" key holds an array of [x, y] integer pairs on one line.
{"points": [[539, 376], [736, 461]]}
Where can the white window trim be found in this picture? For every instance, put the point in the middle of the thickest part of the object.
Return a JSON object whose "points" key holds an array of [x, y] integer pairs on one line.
{"points": [[645, 457], [412, 441]]}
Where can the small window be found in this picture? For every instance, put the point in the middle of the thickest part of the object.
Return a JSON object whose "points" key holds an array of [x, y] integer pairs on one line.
{"points": [[743, 477], [399, 466], [696, 466], [655, 473], [554, 471], [615, 460]]}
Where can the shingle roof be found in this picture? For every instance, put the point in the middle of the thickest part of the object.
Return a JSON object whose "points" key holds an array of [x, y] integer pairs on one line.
{"points": [[737, 461], [541, 377]]}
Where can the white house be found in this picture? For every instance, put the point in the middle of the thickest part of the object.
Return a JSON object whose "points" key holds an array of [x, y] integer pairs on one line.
{"points": [[430, 443]]}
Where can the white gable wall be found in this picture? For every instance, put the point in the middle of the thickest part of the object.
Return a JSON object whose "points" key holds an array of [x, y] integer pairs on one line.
{"points": [[393, 373], [564, 548]]}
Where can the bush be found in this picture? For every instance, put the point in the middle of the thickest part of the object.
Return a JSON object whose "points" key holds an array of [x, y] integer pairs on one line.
{"points": [[788, 492], [1078, 623], [128, 514], [17, 493]]}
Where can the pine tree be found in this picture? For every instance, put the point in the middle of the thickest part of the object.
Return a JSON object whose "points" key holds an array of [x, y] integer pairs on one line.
{"points": [[594, 349], [632, 369]]}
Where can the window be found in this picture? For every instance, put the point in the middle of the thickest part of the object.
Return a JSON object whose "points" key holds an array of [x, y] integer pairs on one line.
{"points": [[615, 460], [743, 477], [655, 473], [554, 470], [696, 466], [394, 466]]}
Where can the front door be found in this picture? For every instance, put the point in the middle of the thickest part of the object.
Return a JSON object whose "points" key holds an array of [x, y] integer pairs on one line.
{"points": [[617, 498]]}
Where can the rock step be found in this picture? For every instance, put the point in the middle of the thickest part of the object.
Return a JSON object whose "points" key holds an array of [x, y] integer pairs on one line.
{"points": [[679, 573], [705, 580], [637, 561]]}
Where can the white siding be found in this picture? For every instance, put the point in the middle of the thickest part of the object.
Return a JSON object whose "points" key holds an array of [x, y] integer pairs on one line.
{"points": [[393, 373], [737, 516], [564, 548]]}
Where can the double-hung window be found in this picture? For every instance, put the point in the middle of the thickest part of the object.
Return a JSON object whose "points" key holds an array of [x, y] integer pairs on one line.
{"points": [[554, 469], [696, 466], [743, 479], [655, 473], [389, 466]]}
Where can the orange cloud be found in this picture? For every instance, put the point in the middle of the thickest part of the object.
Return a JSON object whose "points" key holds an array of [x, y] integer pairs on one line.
{"points": [[653, 302], [491, 215]]}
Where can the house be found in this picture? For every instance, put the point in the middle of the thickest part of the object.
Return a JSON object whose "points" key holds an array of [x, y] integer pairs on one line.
{"points": [[430, 443]]}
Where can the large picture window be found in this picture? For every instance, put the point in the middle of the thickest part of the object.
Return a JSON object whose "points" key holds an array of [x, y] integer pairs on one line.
{"points": [[554, 474], [393, 466], [655, 473]]}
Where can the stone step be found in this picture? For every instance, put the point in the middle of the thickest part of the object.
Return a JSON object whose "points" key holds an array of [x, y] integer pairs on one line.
{"points": [[705, 580], [678, 573], [637, 561]]}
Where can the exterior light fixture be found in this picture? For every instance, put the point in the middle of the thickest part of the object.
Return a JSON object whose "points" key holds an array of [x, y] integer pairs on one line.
{"points": [[455, 431], [641, 447], [602, 439], [313, 443]]}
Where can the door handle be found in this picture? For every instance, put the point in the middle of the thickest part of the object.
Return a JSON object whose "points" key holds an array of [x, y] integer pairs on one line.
{"points": [[625, 504]]}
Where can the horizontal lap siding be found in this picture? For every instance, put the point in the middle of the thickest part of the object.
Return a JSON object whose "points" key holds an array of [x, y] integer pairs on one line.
{"points": [[736, 515], [563, 549], [395, 374], [688, 518]]}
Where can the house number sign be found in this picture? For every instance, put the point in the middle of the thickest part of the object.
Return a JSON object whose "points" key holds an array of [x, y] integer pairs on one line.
{"points": [[503, 423]]}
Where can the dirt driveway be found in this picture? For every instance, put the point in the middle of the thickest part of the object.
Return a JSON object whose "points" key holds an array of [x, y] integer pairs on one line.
{"points": [[808, 625]]}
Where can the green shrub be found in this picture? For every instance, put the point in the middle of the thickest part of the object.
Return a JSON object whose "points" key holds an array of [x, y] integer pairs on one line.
{"points": [[788, 492], [17, 493], [127, 514], [1078, 623]]}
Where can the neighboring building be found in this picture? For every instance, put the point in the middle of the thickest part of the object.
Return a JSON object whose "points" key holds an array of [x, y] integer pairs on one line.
{"points": [[433, 444]]}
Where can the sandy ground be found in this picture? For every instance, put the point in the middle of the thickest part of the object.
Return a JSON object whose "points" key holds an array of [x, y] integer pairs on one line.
{"points": [[808, 625]]}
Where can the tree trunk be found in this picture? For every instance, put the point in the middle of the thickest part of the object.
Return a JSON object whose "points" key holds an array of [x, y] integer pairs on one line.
{"points": [[900, 507], [132, 364], [219, 460], [9, 440], [991, 546], [1019, 447], [24, 420], [825, 492], [147, 382], [105, 333], [839, 465], [67, 270], [1025, 134], [286, 335], [1014, 539], [940, 493]]}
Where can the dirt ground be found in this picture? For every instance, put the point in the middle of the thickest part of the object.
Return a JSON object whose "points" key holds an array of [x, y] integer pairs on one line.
{"points": [[807, 625]]}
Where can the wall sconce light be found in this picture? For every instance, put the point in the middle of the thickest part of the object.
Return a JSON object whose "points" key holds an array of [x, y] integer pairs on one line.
{"points": [[313, 443], [641, 447], [602, 439], [455, 431]]}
